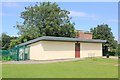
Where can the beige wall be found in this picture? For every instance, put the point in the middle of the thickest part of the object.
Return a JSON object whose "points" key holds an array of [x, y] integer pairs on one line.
{"points": [[35, 51], [90, 49], [46, 50]]}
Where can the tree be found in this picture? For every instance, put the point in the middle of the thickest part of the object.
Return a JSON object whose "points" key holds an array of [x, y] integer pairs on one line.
{"points": [[118, 49], [104, 32], [5, 40], [20, 39], [0, 42], [46, 19], [14, 42]]}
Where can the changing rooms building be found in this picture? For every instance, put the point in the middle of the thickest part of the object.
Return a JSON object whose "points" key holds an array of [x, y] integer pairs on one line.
{"points": [[47, 48]]}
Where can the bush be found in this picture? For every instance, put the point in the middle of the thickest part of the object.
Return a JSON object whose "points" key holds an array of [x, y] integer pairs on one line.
{"points": [[6, 58], [0, 58], [112, 53]]}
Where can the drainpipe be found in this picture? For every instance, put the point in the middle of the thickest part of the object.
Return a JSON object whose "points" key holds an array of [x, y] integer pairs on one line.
{"points": [[77, 41]]}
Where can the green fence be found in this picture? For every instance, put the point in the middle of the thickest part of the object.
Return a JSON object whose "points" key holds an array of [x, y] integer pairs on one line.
{"points": [[16, 53], [4, 54]]}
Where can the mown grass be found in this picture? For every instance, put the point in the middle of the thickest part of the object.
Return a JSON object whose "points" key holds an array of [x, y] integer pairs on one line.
{"points": [[88, 68]]}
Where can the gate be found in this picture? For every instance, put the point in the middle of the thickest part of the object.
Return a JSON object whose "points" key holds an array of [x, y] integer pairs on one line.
{"points": [[24, 53]]}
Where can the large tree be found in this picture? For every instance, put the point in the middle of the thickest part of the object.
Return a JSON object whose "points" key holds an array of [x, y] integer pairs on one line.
{"points": [[104, 32], [46, 19]]}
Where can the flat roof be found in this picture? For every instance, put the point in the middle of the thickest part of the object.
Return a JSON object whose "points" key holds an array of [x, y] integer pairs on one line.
{"points": [[51, 38]]}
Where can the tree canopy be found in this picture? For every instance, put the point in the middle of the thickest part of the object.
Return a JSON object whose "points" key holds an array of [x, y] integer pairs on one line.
{"points": [[104, 32], [5, 40], [46, 19]]}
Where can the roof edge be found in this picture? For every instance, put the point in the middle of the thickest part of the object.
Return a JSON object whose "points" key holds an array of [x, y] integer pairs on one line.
{"points": [[52, 38]]}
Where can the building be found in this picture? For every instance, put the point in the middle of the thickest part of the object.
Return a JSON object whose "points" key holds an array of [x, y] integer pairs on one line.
{"points": [[48, 48], [84, 34]]}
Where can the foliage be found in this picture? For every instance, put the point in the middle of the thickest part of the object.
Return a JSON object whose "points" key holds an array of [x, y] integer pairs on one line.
{"points": [[0, 42], [104, 32], [20, 39], [118, 49], [6, 58], [14, 42], [46, 19], [5, 40]]}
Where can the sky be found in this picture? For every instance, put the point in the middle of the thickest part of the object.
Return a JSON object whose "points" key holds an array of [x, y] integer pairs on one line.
{"points": [[86, 15]]}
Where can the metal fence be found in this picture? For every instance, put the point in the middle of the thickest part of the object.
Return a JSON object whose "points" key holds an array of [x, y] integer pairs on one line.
{"points": [[17, 53]]}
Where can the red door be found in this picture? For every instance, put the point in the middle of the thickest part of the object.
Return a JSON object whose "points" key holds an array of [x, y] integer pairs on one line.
{"points": [[77, 50]]}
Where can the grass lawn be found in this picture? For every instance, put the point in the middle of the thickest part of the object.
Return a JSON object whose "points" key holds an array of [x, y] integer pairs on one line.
{"points": [[88, 68]]}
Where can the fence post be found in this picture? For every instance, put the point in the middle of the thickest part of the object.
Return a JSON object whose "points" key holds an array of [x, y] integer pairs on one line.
{"points": [[17, 53], [24, 53], [28, 52]]}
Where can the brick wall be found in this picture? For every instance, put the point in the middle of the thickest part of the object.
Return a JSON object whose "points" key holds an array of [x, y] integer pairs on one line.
{"points": [[85, 35]]}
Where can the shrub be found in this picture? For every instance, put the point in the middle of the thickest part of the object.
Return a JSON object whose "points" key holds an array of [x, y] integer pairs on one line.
{"points": [[6, 58], [112, 53]]}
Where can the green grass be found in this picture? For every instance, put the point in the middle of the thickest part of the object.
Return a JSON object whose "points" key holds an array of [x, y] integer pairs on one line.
{"points": [[88, 68]]}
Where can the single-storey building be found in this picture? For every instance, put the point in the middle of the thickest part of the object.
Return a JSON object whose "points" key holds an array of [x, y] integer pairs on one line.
{"points": [[48, 48]]}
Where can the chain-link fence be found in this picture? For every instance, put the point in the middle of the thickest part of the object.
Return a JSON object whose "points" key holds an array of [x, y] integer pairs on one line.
{"points": [[16, 53]]}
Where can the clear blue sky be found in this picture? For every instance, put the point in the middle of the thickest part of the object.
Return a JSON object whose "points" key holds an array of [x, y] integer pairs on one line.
{"points": [[85, 15]]}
